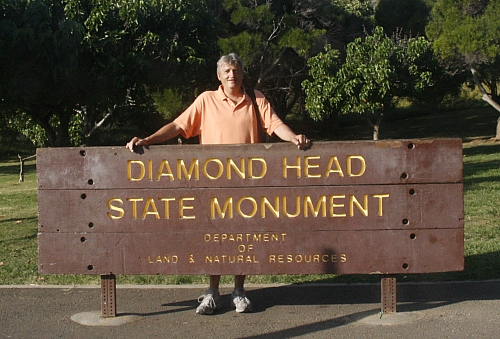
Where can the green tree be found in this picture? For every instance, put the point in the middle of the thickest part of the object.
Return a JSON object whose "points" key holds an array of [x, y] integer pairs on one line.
{"points": [[37, 51], [65, 62], [376, 70], [466, 37], [275, 39], [406, 17]]}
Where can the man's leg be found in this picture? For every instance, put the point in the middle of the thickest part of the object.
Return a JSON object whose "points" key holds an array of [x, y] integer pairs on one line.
{"points": [[240, 301], [214, 282], [239, 281], [210, 301]]}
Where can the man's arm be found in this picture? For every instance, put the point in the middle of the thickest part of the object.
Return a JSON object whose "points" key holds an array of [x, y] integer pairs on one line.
{"points": [[286, 134], [165, 133]]}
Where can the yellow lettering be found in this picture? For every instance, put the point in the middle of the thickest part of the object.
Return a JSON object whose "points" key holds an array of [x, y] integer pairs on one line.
{"points": [[320, 205], [142, 171], [167, 206], [120, 210], [150, 203], [380, 197], [297, 207], [333, 205], [306, 258], [252, 202], [150, 169], [275, 210], [182, 208], [308, 166], [334, 161], [228, 206], [349, 165], [194, 167], [163, 259], [134, 206], [251, 174], [164, 164], [239, 170], [297, 167], [353, 201], [218, 163]]}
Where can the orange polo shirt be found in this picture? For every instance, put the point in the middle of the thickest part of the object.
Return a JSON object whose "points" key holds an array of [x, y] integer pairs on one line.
{"points": [[217, 120]]}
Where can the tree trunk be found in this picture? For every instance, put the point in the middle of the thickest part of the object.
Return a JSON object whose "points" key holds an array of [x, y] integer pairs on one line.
{"points": [[45, 124], [375, 132], [488, 98], [376, 126], [497, 136], [98, 124], [62, 139]]}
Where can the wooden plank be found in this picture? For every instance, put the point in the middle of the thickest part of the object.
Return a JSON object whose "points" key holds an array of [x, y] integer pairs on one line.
{"points": [[288, 252], [340, 207], [325, 163], [255, 209]]}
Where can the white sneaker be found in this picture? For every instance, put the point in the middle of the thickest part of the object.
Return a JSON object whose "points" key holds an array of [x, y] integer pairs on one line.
{"points": [[209, 302], [240, 301]]}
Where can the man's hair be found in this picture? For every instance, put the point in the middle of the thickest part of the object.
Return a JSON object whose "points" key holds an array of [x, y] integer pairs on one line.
{"points": [[230, 59]]}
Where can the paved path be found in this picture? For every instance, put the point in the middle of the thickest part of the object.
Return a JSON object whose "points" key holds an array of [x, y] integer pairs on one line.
{"points": [[425, 310]]}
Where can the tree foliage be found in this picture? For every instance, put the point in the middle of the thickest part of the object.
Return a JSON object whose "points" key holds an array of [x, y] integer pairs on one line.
{"points": [[406, 17], [275, 39], [38, 51], [466, 32], [102, 56], [73, 65], [376, 70], [466, 37]]}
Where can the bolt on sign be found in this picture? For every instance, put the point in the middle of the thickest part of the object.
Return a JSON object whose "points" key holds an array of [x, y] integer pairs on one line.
{"points": [[354, 207]]}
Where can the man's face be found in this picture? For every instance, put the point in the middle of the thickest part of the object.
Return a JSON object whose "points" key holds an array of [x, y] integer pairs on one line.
{"points": [[230, 76]]}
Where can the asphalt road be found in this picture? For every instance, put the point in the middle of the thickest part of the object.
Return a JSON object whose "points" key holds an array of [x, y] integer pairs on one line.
{"points": [[425, 310]]}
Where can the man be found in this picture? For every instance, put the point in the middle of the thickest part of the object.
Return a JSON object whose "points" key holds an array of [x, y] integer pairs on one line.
{"points": [[225, 116]]}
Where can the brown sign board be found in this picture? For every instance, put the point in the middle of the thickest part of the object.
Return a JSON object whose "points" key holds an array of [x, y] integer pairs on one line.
{"points": [[353, 207]]}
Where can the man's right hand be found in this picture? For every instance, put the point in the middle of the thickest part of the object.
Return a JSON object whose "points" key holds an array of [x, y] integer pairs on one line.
{"points": [[135, 142]]}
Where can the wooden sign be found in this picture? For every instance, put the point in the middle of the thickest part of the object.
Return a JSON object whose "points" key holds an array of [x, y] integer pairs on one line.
{"points": [[338, 207]]}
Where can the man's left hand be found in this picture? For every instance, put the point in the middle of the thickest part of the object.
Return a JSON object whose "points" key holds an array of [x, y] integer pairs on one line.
{"points": [[301, 141]]}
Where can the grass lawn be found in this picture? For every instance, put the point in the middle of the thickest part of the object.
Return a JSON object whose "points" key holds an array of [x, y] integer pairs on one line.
{"points": [[18, 207]]}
